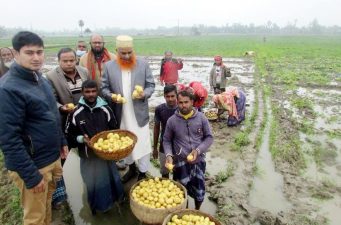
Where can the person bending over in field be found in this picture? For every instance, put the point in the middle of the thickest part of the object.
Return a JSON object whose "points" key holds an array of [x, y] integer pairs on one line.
{"points": [[233, 101]]}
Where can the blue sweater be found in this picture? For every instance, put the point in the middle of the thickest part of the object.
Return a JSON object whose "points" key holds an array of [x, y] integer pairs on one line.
{"points": [[30, 126], [182, 136]]}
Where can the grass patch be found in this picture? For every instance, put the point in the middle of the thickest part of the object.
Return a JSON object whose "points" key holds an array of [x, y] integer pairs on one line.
{"points": [[285, 144], [222, 176], [155, 162], [302, 103], [334, 133], [10, 206], [241, 140], [257, 171], [306, 126]]}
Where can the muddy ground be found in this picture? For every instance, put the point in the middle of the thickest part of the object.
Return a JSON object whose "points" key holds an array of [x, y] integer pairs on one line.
{"points": [[297, 191]]}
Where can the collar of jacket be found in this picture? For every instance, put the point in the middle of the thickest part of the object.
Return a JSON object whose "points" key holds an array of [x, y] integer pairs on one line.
{"points": [[99, 103], [195, 112], [60, 70], [24, 73]]}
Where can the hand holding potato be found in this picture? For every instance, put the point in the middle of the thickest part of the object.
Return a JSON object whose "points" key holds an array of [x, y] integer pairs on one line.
{"points": [[138, 92]]}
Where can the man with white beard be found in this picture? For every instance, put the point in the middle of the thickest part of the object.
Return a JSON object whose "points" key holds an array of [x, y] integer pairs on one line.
{"points": [[6, 60]]}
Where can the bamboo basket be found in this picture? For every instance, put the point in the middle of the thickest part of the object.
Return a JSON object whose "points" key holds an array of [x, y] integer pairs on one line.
{"points": [[119, 154], [150, 215], [182, 212]]}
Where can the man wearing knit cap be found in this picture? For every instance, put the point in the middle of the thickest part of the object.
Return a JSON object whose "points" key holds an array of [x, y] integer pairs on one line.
{"points": [[130, 76]]}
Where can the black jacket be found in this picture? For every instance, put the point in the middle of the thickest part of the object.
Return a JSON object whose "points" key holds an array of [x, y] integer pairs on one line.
{"points": [[30, 132], [90, 121]]}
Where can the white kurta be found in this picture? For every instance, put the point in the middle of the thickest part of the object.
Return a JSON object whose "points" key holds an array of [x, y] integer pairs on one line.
{"points": [[129, 122]]}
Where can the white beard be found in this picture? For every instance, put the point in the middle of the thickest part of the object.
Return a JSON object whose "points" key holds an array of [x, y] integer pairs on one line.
{"points": [[8, 64]]}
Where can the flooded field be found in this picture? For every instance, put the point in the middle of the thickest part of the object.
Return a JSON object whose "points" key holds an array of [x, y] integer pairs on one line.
{"points": [[282, 166], [195, 69], [259, 189]]}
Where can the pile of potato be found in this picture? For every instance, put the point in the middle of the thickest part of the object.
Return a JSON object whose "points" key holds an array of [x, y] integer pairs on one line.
{"points": [[114, 142], [158, 194], [190, 219], [211, 115]]}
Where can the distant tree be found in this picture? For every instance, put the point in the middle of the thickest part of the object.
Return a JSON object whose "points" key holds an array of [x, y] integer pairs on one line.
{"points": [[87, 31], [81, 25], [315, 27], [195, 31]]}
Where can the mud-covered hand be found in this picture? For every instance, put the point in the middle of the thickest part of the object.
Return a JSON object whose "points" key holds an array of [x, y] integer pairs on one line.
{"points": [[64, 151]]}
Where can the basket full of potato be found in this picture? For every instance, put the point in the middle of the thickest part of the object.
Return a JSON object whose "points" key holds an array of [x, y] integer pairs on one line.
{"points": [[190, 217], [113, 144], [151, 200], [211, 115]]}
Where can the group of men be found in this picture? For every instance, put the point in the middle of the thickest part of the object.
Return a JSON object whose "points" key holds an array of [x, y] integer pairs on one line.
{"points": [[38, 125]]}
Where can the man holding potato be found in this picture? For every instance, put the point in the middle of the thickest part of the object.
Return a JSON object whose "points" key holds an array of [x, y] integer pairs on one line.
{"points": [[186, 140], [128, 83], [66, 80]]}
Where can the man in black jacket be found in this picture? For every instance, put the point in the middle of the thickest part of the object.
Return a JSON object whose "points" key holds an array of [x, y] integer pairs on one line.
{"points": [[91, 116], [30, 133]]}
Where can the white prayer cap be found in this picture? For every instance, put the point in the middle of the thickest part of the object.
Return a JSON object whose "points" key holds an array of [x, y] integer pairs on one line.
{"points": [[124, 41]]}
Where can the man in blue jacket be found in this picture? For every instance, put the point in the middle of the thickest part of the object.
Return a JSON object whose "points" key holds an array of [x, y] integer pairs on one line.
{"points": [[186, 140], [30, 130]]}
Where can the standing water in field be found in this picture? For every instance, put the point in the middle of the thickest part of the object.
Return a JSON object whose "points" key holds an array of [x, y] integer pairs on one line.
{"points": [[267, 191], [194, 69]]}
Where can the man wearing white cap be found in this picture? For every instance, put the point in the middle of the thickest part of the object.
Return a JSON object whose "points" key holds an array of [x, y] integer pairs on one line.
{"points": [[121, 77]]}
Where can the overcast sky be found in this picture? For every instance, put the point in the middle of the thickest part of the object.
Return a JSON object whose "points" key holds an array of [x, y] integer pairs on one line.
{"points": [[64, 14]]}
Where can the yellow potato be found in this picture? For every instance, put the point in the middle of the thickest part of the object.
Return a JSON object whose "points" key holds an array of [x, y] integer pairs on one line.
{"points": [[190, 157], [158, 193], [70, 106], [139, 89], [135, 94], [113, 97], [169, 166]]}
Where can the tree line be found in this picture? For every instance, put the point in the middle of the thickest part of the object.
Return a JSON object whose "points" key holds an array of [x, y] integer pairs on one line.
{"points": [[313, 28]]}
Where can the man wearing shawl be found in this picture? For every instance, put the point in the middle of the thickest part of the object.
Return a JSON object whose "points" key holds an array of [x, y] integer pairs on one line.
{"points": [[121, 77], [233, 101], [95, 59]]}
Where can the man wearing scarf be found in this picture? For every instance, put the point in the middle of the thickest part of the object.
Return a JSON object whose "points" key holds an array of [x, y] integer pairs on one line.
{"points": [[188, 134], [95, 59], [120, 76]]}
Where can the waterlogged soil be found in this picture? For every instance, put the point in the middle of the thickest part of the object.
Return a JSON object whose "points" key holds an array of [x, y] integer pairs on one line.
{"points": [[311, 195], [312, 186]]}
